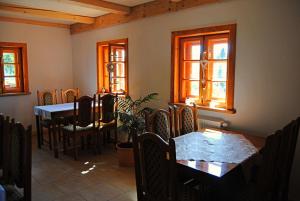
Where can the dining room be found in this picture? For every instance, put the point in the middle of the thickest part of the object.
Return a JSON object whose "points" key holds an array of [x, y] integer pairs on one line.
{"points": [[133, 100]]}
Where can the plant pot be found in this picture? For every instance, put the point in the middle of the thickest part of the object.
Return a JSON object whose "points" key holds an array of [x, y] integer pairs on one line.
{"points": [[125, 154]]}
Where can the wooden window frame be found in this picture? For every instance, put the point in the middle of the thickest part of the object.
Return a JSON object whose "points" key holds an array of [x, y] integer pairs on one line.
{"points": [[101, 66], [21, 70], [229, 29]]}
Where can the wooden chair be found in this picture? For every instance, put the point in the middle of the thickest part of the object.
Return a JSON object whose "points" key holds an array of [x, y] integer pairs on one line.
{"points": [[155, 165], [185, 118], [1, 140], [159, 121], [18, 161], [46, 98], [83, 123], [67, 96], [108, 118], [272, 181]]}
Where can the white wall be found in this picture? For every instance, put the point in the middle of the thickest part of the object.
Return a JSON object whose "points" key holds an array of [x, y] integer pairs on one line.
{"points": [[267, 83], [49, 65]]}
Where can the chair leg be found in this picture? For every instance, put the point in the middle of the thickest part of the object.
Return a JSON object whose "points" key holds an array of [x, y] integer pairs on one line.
{"points": [[42, 135], [75, 147], [59, 133], [50, 137], [99, 143], [64, 142], [82, 142]]}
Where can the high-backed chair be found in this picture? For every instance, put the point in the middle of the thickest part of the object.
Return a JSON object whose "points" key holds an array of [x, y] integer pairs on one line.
{"points": [[67, 95], [1, 139], [185, 118], [159, 122], [108, 118], [83, 124], [18, 161], [272, 181], [155, 165], [46, 98]]}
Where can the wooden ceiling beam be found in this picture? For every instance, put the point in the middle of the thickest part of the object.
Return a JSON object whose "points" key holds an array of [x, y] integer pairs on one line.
{"points": [[47, 13], [105, 5], [34, 22], [149, 9]]}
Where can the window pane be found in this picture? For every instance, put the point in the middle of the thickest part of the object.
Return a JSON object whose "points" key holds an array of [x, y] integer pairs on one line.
{"points": [[10, 82], [192, 50], [119, 84], [220, 51], [8, 57], [9, 70], [120, 69], [120, 55], [190, 88], [219, 90], [191, 70], [219, 71]]}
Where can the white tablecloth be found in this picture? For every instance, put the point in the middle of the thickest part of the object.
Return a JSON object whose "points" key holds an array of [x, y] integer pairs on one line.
{"points": [[46, 110], [214, 146]]}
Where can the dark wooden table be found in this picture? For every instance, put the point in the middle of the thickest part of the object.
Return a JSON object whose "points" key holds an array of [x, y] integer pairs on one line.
{"points": [[219, 169]]}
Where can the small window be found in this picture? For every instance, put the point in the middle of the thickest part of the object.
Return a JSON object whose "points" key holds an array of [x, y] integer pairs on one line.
{"points": [[113, 57], [203, 67], [13, 70]]}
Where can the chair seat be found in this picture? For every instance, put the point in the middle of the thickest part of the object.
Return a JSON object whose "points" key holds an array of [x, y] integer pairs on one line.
{"points": [[70, 128], [12, 193], [102, 124]]}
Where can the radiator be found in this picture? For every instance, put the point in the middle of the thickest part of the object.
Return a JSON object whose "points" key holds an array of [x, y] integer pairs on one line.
{"points": [[209, 122]]}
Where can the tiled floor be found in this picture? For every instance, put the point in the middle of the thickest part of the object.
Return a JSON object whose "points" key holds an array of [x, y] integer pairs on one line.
{"points": [[91, 178]]}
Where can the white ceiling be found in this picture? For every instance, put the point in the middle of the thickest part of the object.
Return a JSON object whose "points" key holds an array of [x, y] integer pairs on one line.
{"points": [[63, 6]]}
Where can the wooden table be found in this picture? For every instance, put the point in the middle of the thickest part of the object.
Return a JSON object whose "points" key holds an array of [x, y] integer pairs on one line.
{"points": [[51, 112], [217, 170]]}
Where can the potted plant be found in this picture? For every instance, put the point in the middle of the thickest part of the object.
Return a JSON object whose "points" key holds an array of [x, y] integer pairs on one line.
{"points": [[131, 114]]}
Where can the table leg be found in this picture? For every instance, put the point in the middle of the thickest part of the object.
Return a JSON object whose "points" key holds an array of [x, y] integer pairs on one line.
{"points": [[55, 144], [38, 131]]}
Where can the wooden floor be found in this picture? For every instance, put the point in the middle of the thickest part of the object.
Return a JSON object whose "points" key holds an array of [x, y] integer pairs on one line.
{"points": [[91, 178]]}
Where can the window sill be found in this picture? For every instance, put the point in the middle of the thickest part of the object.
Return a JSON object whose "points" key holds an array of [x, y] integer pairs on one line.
{"points": [[222, 110], [15, 94]]}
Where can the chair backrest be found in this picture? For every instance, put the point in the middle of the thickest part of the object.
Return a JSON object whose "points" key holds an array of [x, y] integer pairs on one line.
{"points": [[109, 104], [185, 119], [267, 176], [1, 139], [84, 111], [278, 154], [67, 96], [47, 97], [159, 122], [286, 156], [156, 164], [17, 170]]}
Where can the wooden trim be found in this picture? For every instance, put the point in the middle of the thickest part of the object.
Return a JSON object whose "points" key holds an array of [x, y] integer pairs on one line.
{"points": [[175, 68], [47, 13], [231, 70], [100, 73], [16, 94], [105, 5], [24, 67], [141, 11], [33, 22]]}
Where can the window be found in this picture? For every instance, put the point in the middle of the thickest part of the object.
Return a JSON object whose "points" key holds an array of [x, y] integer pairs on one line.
{"points": [[13, 69], [116, 53], [203, 67]]}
